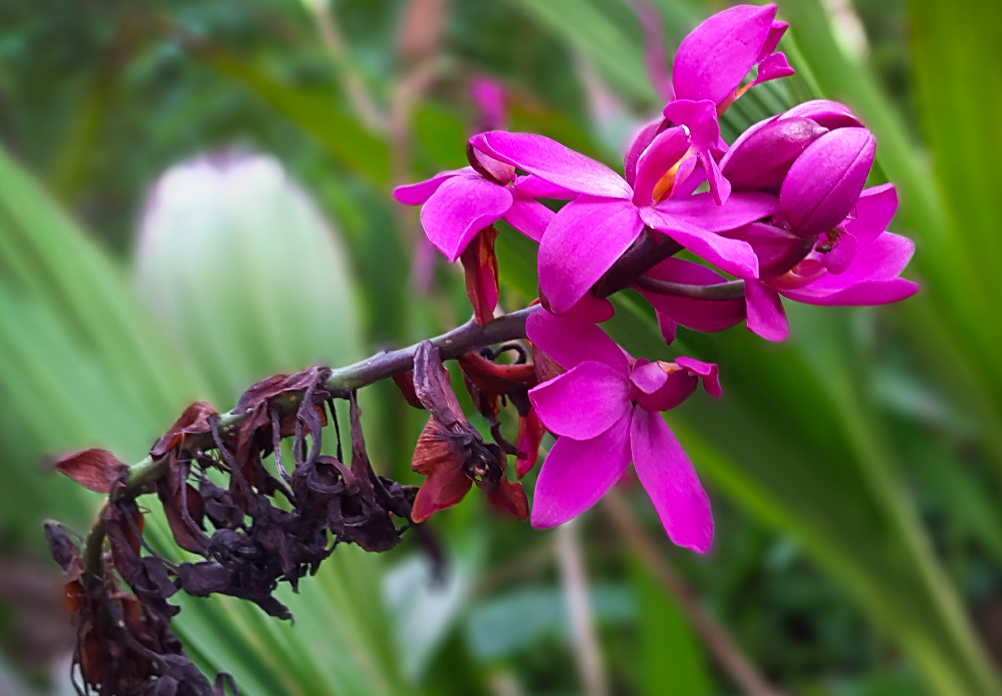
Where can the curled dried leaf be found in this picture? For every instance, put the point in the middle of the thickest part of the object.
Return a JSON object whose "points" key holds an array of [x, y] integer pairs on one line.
{"points": [[277, 385], [450, 451]]}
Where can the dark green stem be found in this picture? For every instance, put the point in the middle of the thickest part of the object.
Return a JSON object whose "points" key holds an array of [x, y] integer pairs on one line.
{"points": [[731, 290]]}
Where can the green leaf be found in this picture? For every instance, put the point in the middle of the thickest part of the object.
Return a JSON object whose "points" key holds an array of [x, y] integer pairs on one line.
{"points": [[672, 661], [589, 29], [516, 620], [81, 364], [317, 113]]}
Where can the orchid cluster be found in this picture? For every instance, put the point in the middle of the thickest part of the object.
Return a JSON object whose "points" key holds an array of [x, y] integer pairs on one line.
{"points": [[782, 212]]}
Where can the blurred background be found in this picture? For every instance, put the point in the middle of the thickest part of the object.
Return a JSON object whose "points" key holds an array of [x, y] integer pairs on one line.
{"points": [[195, 194]]}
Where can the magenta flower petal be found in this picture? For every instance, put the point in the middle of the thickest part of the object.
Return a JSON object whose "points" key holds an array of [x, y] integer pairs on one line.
{"points": [[582, 242], [700, 118], [776, 32], [732, 255], [654, 162], [648, 377], [681, 271], [529, 217], [577, 473], [708, 316], [762, 156], [532, 186], [686, 182], [873, 213], [501, 172], [591, 309], [840, 257], [666, 325], [583, 402], [826, 113], [708, 371], [461, 207], [766, 316], [416, 194], [638, 143], [866, 293], [870, 280], [671, 483], [713, 60], [823, 184], [700, 210], [572, 342], [679, 386], [778, 250], [551, 161], [720, 187], [773, 68]]}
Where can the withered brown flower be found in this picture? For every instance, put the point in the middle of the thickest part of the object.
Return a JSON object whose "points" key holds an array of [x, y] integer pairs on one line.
{"points": [[450, 451]]}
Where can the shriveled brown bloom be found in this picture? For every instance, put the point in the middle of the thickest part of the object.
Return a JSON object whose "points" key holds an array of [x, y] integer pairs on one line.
{"points": [[450, 451]]}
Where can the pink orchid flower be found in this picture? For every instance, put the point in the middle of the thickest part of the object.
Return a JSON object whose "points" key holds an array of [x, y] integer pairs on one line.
{"points": [[605, 412], [609, 212], [457, 204], [708, 69], [713, 60]]}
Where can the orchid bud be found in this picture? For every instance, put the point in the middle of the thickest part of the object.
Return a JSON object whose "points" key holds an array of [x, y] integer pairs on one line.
{"points": [[761, 157], [824, 183], [826, 113]]}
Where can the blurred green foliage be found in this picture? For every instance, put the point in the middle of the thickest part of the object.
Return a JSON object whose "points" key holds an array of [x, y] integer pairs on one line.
{"points": [[855, 470]]}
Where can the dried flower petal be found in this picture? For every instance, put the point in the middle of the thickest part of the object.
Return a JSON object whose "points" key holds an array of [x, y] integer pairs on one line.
{"points": [[530, 435], [436, 457], [194, 421], [94, 469], [481, 266]]}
